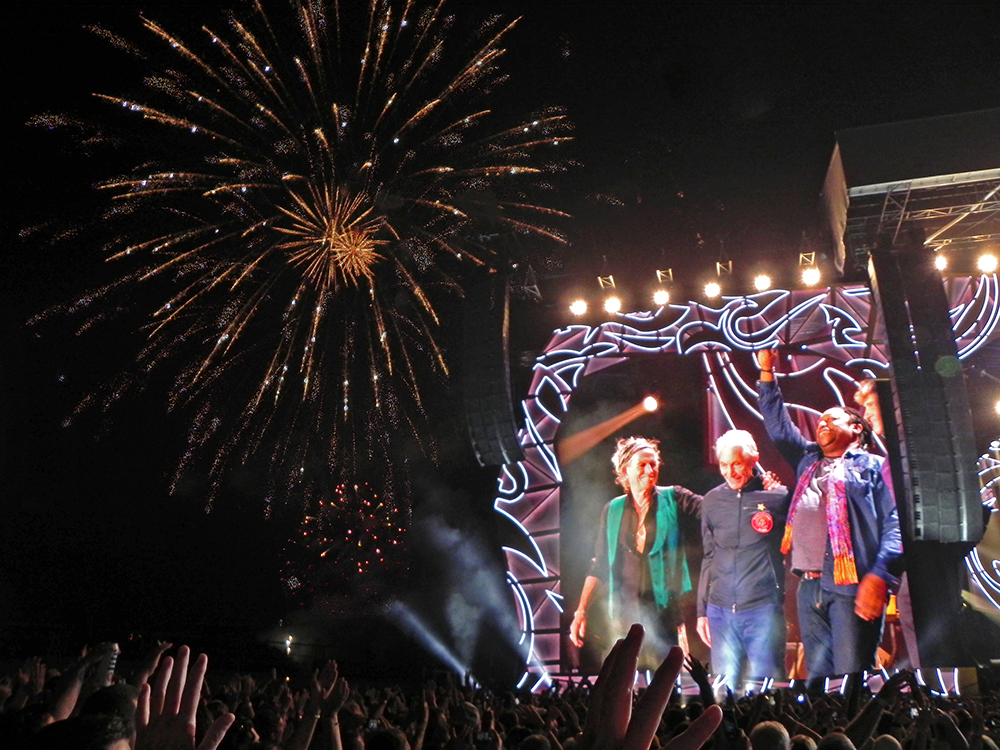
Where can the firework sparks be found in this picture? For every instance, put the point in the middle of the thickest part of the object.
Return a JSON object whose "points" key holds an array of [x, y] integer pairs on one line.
{"points": [[348, 555], [303, 190]]}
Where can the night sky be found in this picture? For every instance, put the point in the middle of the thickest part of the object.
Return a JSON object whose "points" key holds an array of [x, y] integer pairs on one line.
{"points": [[703, 132]]}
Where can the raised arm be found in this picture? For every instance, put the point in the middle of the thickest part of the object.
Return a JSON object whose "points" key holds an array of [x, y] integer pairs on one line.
{"points": [[783, 433], [612, 724], [165, 714]]}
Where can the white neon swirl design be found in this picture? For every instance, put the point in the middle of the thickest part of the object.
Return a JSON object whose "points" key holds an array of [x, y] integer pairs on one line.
{"points": [[744, 323]]}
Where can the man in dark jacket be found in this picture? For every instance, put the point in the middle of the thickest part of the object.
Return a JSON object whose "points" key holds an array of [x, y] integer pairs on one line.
{"points": [[741, 591], [842, 530]]}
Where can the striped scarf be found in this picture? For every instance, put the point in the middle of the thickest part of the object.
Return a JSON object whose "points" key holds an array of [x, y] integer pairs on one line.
{"points": [[838, 525]]}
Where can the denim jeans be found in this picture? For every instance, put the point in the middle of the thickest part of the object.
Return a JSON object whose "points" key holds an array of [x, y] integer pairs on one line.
{"points": [[756, 634], [836, 640]]}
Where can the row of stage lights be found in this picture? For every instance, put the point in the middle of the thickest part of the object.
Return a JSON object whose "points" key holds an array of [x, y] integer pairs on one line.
{"points": [[810, 276]]}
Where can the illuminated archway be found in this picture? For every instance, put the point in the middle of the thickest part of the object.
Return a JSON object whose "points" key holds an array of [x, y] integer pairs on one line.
{"points": [[831, 336]]}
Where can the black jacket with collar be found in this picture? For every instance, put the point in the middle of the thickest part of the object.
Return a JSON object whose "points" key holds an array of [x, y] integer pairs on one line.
{"points": [[743, 565]]}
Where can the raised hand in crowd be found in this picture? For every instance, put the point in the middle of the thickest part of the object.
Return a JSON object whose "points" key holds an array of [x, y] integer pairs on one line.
{"points": [[151, 662], [30, 682], [166, 711], [699, 673], [78, 680], [611, 723], [327, 694]]}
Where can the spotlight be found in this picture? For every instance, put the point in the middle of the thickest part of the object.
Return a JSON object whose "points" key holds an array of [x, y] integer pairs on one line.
{"points": [[762, 283], [712, 289], [650, 403], [996, 406], [940, 262], [810, 276], [987, 263], [612, 305], [578, 307], [661, 297]]}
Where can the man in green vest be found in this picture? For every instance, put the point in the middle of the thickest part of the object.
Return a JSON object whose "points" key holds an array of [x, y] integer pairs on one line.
{"points": [[639, 551]]}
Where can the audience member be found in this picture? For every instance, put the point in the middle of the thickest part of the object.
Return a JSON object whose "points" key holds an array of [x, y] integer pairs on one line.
{"points": [[169, 706]]}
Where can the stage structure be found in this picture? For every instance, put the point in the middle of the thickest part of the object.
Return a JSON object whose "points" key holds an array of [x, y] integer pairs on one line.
{"points": [[939, 175], [829, 338]]}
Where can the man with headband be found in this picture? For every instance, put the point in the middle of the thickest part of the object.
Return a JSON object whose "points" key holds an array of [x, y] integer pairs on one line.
{"points": [[639, 551]]}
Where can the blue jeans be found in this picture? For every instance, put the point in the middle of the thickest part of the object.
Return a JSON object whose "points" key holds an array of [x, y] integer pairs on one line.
{"points": [[756, 634], [836, 640]]}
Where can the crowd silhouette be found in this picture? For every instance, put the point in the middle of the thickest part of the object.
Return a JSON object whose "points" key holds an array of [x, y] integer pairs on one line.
{"points": [[171, 701]]}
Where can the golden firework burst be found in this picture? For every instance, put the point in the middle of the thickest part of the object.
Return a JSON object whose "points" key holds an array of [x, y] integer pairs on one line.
{"points": [[308, 182], [334, 239]]}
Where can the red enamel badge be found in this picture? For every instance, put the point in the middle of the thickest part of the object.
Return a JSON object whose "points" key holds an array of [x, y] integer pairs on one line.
{"points": [[761, 522]]}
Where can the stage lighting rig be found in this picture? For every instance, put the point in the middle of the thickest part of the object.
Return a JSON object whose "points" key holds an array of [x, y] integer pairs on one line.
{"points": [[810, 271]]}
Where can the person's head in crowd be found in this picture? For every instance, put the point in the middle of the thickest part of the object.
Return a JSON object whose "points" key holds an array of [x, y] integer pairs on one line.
{"points": [[90, 732], [867, 398], [737, 453], [241, 736], [694, 709], [836, 741], [672, 717], [438, 729], [516, 735], [678, 729], [465, 714], [963, 720], [26, 722], [216, 708], [115, 700], [268, 723], [769, 735], [508, 720], [886, 742], [802, 742], [533, 720], [535, 742], [352, 726], [386, 739]]}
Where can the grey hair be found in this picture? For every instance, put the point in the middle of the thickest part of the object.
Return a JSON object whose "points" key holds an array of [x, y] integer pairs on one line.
{"points": [[737, 439]]}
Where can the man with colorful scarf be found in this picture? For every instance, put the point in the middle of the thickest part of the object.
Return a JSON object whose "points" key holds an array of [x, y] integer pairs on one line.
{"points": [[640, 549], [842, 530]]}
